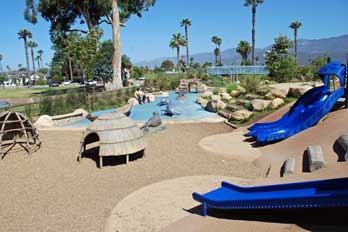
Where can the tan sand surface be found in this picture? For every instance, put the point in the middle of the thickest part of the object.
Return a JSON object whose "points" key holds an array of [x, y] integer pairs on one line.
{"points": [[50, 191], [156, 206]]}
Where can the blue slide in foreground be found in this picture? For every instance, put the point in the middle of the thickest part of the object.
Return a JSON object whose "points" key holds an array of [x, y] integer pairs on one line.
{"points": [[308, 109], [311, 194]]}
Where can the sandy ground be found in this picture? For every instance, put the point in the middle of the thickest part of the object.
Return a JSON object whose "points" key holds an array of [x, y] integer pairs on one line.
{"points": [[50, 191]]}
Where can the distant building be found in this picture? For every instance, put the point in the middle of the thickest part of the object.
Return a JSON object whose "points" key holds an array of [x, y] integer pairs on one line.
{"points": [[237, 70]]}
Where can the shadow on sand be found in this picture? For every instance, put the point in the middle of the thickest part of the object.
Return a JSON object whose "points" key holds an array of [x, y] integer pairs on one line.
{"points": [[93, 154]]}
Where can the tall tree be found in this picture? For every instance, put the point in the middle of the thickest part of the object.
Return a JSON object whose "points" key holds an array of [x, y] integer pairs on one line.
{"points": [[64, 13], [217, 52], [176, 42], [244, 49], [253, 4], [186, 23], [25, 34], [32, 46], [1, 57], [37, 58], [41, 52], [295, 26]]}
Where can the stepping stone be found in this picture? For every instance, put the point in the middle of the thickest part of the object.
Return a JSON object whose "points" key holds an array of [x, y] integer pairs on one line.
{"points": [[288, 167], [342, 142], [315, 158]]}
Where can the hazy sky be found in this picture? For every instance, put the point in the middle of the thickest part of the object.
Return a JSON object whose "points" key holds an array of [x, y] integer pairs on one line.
{"points": [[147, 37]]}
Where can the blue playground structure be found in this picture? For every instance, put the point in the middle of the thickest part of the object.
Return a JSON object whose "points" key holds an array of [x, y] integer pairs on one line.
{"points": [[308, 110], [312, 194]]}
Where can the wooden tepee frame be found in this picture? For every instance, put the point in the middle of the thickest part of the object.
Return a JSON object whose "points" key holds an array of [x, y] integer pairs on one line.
{"points": [[15, 128]]}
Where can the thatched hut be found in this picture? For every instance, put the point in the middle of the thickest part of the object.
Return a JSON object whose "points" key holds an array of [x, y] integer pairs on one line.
{"points": [[15, 128], [117, 135]]}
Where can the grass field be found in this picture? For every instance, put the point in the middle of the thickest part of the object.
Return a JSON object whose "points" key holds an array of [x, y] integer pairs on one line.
{"points": [[31, 92]]}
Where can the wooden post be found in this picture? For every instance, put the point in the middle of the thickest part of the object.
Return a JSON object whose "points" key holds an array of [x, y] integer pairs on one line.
{"points": [[127, 159]]}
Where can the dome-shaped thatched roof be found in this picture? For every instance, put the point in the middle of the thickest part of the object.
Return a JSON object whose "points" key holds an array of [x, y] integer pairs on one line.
{"points": [[116, 133], [15, 128]]}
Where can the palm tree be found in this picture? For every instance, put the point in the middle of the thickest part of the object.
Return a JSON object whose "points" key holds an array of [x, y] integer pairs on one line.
{"points": [[244, 49], [217, 41], [40, 52], [32, 45], [253, 4], [186, 23], [37, 58], [25, 34], [1, 57], [176, 42], [295, 26]]}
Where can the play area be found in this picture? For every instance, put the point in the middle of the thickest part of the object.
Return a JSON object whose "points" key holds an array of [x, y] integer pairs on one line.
{"points": [[307, 111]]}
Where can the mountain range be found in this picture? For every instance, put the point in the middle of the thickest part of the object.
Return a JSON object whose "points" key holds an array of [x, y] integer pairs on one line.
{"points": [[308, 49]]}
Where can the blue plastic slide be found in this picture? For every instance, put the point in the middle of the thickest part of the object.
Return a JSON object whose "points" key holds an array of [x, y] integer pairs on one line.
{"points": [[312, 194], [307, 111]]}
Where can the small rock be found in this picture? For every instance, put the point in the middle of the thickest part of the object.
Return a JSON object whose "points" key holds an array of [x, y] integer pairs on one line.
{"points": [[298, 91], [207, 94], [233, 107], [225, 96], [269, 95], [279, 93], [243, 102], [241, 115], [315, 158], [216, 97], [221, 105], [276, 102], [44, 121], [289, 167], [259, 104], [225, 113], [342, 142]]}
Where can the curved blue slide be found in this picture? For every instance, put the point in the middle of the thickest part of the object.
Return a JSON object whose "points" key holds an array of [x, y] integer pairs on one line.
{"points": [[306, 112], [311, 194]]}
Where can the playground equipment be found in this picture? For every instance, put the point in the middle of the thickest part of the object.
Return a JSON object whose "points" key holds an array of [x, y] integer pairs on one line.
{"points": [[311, 194], [309, 109]]}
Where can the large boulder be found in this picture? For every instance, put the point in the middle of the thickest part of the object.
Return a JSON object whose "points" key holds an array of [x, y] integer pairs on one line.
{"points": [[275, 103], [259, 104], [225, 113], [207, 94], [279, 93], [211, 106], [216, 97], [233, 107], [241, 115], [221, 105], [243, 102], [225, 96], [240, 90], [44, 121], [298, 91], [202, 101]]}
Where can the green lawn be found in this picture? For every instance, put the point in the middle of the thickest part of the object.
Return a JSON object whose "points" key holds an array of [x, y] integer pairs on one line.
{"points": [[31, 92]]}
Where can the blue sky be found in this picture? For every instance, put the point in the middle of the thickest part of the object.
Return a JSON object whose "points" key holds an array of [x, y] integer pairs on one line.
{"points": [[147, 37]]}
